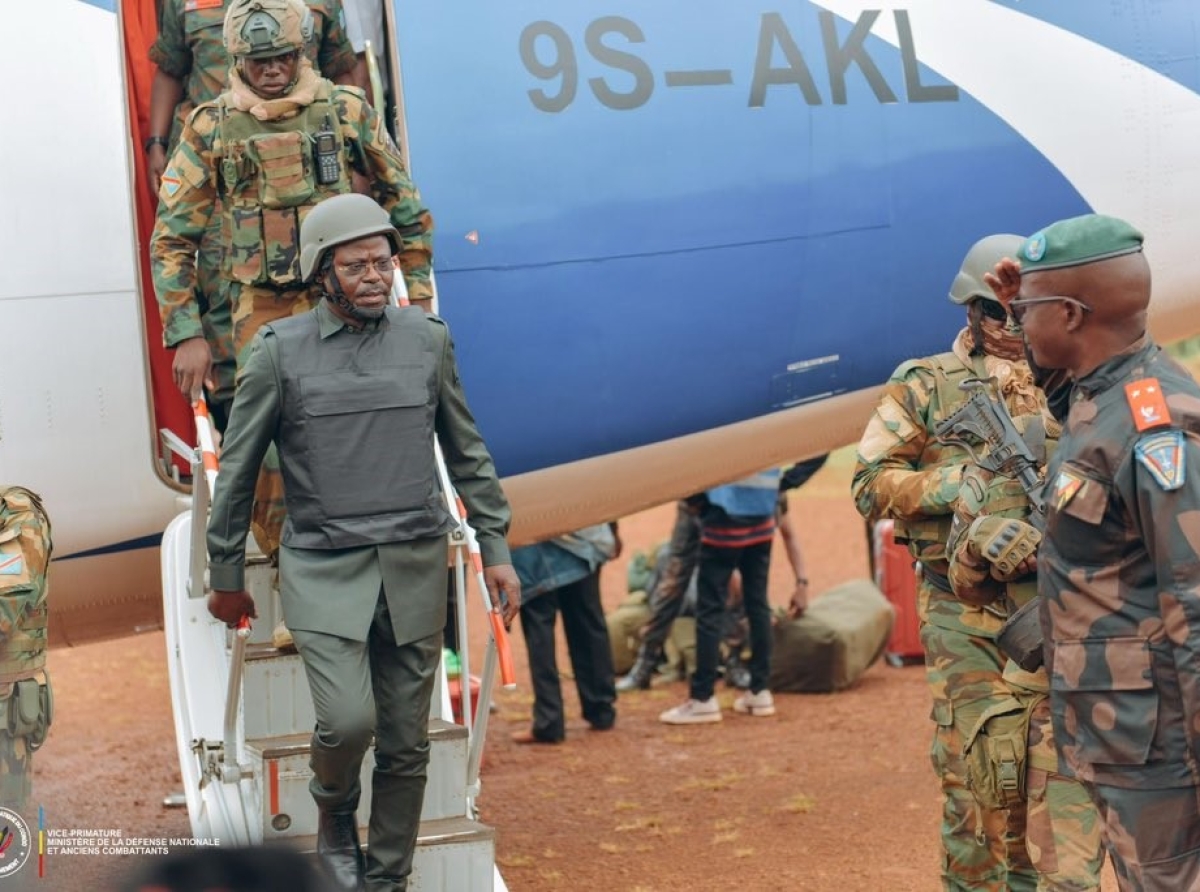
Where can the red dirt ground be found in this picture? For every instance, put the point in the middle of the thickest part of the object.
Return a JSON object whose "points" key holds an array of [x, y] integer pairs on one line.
{"points": [[834, 793]]}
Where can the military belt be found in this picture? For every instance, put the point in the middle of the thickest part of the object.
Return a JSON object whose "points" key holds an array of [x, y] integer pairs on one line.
{"points": [[937, 580]]}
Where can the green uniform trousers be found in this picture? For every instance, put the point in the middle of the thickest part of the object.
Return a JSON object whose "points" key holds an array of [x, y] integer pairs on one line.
{"points": [[360, 687]]}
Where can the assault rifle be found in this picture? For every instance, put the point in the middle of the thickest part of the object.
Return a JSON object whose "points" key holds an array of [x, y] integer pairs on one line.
{"points": [[983, 421]]}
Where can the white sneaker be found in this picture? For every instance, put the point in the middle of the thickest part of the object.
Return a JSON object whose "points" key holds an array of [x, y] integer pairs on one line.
{"points": [[760, 704], [693, 712]]}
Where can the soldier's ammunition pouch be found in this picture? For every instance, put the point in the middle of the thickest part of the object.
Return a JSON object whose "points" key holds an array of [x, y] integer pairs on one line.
{"points": [[1020, 638], [28, 711], [996, 753]]}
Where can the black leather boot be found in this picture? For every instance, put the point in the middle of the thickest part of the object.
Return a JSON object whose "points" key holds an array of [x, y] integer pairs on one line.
{"points": [[338, 850]]}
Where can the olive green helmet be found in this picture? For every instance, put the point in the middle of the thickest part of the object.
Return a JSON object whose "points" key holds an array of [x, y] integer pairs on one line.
{"points": [[259, 29], [338, 220], [980, 259]]}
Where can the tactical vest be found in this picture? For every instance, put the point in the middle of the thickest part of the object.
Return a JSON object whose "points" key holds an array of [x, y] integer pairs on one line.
{"points": [[356, 432], [24, 556], [268, 184], [930, 532]]}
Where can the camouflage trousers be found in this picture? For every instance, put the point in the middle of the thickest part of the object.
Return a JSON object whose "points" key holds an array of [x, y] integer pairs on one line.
{"points": [[1062, 825], [982, 849], [666, 598], [1153, 836], [253, 307], [24, 720]]}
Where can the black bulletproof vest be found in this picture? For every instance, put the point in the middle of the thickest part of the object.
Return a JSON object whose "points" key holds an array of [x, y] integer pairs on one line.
{"points": [[356, 433]]}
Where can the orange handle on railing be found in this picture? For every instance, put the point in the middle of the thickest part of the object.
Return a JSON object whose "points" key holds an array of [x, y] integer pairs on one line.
{"points": [[206, 442], [508, 673]]}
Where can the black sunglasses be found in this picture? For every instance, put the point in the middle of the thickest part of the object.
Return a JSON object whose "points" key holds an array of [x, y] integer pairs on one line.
{"points": [[993, 310]]}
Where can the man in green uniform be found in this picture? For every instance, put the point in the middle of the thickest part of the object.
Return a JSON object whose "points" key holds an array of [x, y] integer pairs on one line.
{"points": [[277, 142], [1119, 567], [1010, 754], [25, 700], [906, 474], [192, 68], [352, 395]]}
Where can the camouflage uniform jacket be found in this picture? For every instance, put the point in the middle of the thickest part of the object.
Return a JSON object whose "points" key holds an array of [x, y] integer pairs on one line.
{"points": [[24, 558], [905, 474], [1119, 575], [189, 48], [202, 171]]}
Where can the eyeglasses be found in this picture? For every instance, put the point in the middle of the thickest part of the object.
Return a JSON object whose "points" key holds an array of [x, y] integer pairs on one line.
{"points": [[993, 310], [1017, 305], [359, 268]]}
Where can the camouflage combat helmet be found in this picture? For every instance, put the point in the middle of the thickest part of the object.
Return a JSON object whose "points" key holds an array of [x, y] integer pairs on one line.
{"points": [[980, 259], [259, 29], [338, 220]]}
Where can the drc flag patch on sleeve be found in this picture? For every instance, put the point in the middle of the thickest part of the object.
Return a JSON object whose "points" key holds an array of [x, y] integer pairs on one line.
{"points": [[12, 565], [171, 184], [1147, 404], [1162, 455], [1066, 488]]}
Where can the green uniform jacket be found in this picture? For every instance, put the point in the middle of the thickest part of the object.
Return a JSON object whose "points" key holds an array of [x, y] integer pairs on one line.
{"points": [[1119, 577], [335, 591], [195, 179]]}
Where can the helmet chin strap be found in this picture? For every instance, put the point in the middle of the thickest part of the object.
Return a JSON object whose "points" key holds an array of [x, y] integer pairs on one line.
{"points": [[338, 297]]}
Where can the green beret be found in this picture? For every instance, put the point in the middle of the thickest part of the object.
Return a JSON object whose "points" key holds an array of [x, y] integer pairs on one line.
{"points": [[1077, 241]]}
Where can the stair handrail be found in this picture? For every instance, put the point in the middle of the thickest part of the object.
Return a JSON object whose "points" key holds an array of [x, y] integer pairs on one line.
{"points": [[204, 484]]}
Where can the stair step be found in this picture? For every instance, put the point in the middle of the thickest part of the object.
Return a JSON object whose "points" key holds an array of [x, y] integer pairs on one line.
{"points": [[276, 684], [281, 762], [453, 855]]}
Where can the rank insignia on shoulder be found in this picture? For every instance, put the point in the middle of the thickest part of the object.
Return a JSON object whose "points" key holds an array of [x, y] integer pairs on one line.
{"points": [[1147, 404], [1162, 454], [12, 566], [1066, 488], [171, 182]]}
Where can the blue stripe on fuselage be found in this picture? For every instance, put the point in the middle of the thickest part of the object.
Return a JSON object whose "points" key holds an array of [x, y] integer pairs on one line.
{"points": [[645, 273], [141, 542]]}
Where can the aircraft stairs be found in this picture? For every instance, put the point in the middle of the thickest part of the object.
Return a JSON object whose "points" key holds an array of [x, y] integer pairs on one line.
{"points": [[243, 720]]}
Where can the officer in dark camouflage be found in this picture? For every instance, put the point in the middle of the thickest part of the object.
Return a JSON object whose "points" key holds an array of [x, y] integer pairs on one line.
{"points": [[25, 699], [904, 473], [1010, 754], [277, 142], [1119, 567], [192, 67]]}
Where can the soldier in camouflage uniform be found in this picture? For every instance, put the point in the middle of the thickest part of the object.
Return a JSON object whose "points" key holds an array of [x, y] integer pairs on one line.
{"points": [[1119, 567], [277, 142], [1010, 753], [905, 474], [26, 704], [192, 67]]}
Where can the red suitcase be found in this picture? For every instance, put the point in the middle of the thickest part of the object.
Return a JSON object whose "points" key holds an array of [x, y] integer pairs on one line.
{"points": [[896, 578]]}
